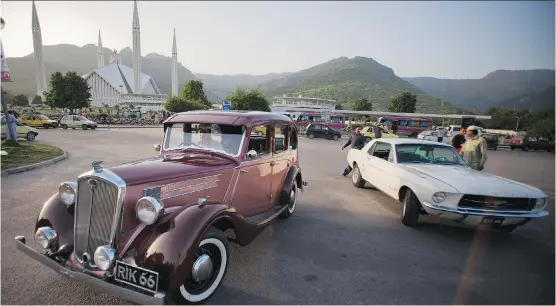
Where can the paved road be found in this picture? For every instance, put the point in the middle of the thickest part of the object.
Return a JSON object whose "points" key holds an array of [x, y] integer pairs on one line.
{"points": [[343, 246]]}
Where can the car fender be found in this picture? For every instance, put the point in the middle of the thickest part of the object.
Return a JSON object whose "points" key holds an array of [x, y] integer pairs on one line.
{"points": [[422, 185], [169, 247], [56, 214], [293, 172]]}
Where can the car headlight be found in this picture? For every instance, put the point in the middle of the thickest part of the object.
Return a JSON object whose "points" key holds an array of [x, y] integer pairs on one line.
{"points": [[148, 210], [540, 203], [438, 197], [46, 237], [67, 192], [105, 257]]}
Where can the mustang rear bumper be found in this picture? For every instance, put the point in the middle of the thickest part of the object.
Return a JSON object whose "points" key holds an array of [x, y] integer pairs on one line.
{"points": [[123, 293], [487, 213]]}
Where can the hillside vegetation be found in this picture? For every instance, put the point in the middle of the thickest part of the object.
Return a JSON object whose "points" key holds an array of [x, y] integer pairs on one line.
{"points": [[347, 80], [488, 91]]}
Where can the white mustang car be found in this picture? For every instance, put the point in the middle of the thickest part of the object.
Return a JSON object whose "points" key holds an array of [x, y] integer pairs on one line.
{"points": [[431, 178]]}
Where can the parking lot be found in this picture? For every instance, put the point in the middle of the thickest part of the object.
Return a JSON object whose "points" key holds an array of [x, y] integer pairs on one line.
{"points": [[343, 245]]}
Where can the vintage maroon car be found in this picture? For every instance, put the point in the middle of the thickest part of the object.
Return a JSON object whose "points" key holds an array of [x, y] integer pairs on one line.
{"points": [[156, 231]]}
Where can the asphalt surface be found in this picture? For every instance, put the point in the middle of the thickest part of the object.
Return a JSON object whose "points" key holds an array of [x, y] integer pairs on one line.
{"points": [[343, 245]]}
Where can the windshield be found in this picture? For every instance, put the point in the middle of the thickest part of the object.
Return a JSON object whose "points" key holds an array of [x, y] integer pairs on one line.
{"points": [[226, 139], [42, 117], [81, 118], [428, 154]]}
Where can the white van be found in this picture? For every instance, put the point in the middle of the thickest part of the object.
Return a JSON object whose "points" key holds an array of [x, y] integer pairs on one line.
{"points": [[77, 121]]}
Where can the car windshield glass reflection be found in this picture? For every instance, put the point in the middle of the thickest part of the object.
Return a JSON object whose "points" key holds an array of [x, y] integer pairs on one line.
{"points": [[428, 154], [81, 118], [221, 138], [42, 117]]}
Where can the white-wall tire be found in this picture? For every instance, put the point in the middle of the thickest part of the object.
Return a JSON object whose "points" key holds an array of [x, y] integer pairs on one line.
{"points": [[217, 241]]}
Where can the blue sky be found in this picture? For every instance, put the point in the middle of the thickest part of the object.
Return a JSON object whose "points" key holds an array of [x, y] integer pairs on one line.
{"points": [[438, 39]]}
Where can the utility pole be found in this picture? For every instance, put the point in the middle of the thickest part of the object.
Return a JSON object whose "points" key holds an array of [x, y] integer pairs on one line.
{"points": [[5, 78]]}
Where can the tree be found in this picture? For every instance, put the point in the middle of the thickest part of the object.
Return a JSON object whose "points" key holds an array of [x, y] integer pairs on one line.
{"points": [[193, 91], [37, 100], [403, 103], [20, 100], [177, 104], [68, 91], [363, 105], [338, 106], [253, 100]]}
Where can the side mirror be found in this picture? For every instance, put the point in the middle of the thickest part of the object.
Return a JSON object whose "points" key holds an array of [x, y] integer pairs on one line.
{"points": [[252, 154], [157, 147]]}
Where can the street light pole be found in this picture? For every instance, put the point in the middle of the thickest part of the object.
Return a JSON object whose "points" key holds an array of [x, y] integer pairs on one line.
{"points": [[517, 125], [11, 132]]}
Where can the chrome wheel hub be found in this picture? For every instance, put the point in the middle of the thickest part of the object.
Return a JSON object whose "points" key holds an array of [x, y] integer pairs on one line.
{"points": [[355, 175], [202, 268]]}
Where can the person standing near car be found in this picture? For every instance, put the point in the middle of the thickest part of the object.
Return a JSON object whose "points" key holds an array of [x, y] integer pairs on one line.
{"points": [[357, 141], [474, 150], [458, 140]]}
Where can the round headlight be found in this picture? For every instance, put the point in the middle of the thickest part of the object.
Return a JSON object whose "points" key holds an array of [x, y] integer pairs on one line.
{"points": [[105, 257], [148, 210], [46, 237], [540, 203], [438, 197], [67, 193]]}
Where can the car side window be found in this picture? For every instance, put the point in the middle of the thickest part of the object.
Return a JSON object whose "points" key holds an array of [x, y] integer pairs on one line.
{"points": [[260, 142], [293, 138], [280, 138], [381, 150], [317, 127]]}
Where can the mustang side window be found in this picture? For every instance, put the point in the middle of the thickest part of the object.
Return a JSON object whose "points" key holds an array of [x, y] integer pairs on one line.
{"points": [[381, 150], [259, 141], [280, 138]]}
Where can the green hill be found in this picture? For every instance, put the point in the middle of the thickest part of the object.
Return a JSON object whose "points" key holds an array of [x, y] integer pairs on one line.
{"points": [[541, 100], [345, 80]]}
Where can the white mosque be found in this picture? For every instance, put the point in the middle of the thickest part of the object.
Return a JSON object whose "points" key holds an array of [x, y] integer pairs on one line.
{"points": [[114, 84]]}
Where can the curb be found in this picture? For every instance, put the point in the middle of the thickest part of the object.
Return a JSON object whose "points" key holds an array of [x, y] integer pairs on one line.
{"points": [[35, 166]]}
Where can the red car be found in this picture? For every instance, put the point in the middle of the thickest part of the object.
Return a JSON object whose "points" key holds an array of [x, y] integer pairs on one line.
{"points": [[535, 143], [157, 230]]}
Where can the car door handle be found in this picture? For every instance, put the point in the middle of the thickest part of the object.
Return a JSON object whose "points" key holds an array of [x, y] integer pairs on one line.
{"points": [[243, 171], [272, 163]]}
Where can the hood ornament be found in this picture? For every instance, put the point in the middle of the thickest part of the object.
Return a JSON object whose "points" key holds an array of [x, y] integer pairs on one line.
{"points": [[97, 165]]}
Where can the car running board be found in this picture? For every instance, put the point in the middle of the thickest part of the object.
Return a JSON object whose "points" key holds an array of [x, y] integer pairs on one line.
{"points": [[267, 216]]}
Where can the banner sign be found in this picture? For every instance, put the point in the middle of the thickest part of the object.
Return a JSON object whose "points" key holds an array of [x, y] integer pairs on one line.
{"points": [[467, 121], [6, 77]]}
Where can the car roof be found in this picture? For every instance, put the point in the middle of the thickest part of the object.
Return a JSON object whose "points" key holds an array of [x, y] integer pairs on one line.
{"points": [[397, 141], [226, 117]]}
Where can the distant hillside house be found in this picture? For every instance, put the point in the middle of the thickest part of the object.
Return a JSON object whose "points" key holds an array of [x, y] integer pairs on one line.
{"points": [[112, 85], [283, 103]]}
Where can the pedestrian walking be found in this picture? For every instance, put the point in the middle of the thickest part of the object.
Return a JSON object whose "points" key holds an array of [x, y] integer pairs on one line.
{"points": [[357, 141], [474, 150], [458, 140]]}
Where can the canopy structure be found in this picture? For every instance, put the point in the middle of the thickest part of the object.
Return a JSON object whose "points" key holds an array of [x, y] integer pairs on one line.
{"points": [[378, 113]]}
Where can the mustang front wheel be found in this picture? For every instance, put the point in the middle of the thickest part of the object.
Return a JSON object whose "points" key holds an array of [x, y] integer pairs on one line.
{"points": [[411, 208], [208, 269]]}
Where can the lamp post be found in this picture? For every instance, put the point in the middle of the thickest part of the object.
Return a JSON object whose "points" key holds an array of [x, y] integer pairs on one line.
{"points": [[517, 124], [11, 133]]}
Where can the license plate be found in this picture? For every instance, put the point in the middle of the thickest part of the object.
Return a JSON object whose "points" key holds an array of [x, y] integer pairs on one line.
{"points": [[493, 220], [137, 277]]}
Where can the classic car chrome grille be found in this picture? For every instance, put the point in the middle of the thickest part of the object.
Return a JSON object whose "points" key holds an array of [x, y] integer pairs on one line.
{"points": [[496, 203], [96, 213]]}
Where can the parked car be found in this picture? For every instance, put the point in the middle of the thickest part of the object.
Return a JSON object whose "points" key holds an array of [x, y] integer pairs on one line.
{"points": [[529, 142], [23, 131], [492, 141], [369, 133], [427, 177], [318, 130], [38, 120], [157, 230], [77, 121]]}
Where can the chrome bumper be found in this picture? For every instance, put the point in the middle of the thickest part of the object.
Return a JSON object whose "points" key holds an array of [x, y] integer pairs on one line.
{"points": [[115, 290], [489, 213]]}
